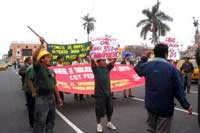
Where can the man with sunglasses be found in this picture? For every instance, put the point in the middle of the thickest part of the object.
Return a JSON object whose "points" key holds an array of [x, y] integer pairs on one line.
{"points": [[45, 89]]}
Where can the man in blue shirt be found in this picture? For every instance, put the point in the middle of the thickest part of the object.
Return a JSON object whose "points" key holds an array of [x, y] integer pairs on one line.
{"points": [[163, 82]]}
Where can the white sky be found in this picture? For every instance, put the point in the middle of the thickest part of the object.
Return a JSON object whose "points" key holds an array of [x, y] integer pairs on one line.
{"points": [[60, 20]]}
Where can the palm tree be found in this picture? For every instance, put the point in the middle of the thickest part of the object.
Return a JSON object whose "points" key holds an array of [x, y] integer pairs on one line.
{"points": [[88, 24], [154, 23]]}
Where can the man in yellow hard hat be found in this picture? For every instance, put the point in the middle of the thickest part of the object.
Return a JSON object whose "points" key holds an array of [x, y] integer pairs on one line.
{"points": [[45, 89]]}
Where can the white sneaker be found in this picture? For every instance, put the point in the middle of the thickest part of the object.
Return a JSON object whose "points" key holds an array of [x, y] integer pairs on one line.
{"points": [[99, 128], [111, 126]]}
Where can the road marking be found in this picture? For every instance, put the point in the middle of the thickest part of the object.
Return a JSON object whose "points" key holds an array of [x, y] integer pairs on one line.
{"points": [[182, 110], [178, 109], [72, 125], [194, 92]]}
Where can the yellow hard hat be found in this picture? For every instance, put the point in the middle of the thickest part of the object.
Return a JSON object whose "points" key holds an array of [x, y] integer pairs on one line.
{"points": [[42, 53]]}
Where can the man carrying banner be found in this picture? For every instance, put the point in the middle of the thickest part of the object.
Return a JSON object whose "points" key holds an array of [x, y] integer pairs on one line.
{"points": [[60, 61], [103, 96], [163, 82], [45, 85], [127, 61], [77, 62]]}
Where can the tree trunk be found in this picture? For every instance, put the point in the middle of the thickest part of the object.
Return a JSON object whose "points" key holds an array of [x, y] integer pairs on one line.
{"points": [[88, 37], [154, 38]]}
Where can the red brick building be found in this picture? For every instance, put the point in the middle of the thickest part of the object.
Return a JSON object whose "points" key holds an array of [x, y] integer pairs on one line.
{"points": [[20, 50]]}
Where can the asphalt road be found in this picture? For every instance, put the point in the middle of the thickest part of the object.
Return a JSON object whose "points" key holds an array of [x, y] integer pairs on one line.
{"points": [[78, 116]]}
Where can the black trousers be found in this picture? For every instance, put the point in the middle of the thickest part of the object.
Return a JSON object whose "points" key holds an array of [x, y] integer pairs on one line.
{"points": [[61, 95], [103, 105], [30, 107]]}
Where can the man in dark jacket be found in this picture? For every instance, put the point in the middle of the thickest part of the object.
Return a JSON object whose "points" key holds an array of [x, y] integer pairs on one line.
{"points": [[163, 83], [187, 70], [22, 70], [198, 63]]}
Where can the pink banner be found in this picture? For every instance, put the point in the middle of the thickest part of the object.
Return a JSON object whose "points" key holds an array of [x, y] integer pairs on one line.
{"points": [[80, 79]]}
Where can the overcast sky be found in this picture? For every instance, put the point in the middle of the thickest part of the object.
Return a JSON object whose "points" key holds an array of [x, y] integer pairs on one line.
{"points": [[60, 20]]}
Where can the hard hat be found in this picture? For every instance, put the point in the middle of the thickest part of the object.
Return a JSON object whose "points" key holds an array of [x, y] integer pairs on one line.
{"points": [[42, 53]]}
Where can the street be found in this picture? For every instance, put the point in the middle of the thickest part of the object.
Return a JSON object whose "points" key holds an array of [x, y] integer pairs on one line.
{"points": [[78, 116]]}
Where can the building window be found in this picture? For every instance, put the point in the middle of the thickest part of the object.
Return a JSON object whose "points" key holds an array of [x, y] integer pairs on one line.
{"points": [[26, 52]]}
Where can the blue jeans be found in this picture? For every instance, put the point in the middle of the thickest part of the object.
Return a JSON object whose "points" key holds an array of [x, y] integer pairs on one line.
{"points": [[44, 114]]}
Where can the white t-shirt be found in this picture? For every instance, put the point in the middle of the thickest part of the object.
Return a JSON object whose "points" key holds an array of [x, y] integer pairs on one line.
{"points": [[76, 63], [127, 62], [60, 65]]}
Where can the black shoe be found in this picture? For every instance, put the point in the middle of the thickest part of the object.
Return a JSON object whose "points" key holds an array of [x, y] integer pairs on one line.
{"points": [[131, 96], [31, 124], [75, 97], [114, 98], [125, 96], [82, 99]]}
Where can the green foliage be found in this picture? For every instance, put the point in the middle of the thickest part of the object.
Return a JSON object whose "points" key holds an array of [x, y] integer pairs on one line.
{"points": [[154, 23], [88, 24]]}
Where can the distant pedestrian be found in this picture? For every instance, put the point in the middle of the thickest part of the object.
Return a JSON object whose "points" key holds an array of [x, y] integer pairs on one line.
{"points": [[162, 83], [15, 65], [187, 69], [45, 84], [127, 61], [103, 96]]}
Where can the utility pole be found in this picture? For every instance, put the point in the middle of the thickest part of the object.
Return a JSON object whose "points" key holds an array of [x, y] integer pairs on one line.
{"points": [[197, 41]]}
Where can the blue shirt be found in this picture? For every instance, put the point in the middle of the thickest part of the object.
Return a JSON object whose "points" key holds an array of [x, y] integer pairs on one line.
{"points": [[163, 82]]}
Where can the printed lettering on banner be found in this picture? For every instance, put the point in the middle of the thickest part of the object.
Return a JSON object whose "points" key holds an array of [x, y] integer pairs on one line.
{"points": [[104, 48]]}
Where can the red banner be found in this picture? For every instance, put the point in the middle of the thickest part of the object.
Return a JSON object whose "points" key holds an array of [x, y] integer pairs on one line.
{"points": [[80, 79]]}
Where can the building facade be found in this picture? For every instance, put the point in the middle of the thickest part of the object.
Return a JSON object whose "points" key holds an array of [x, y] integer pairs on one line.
{"points": [[20, 50]]}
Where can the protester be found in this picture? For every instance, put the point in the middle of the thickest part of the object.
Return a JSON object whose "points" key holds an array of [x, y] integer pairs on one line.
{"points": [[76, 62], [60, 61], [45, 85], [87, 59], [15, 65], [162, 83], [197, 57], [127, 61], [22, 70], [187, 70], [113, 94], [28, 88], [103, 96]]}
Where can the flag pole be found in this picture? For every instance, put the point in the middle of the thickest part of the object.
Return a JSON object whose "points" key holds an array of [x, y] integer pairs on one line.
{"points": [[36, 33]]}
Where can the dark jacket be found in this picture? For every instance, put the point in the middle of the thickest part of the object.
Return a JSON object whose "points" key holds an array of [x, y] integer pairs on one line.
{"points": [[22, 72], [187, 67], [163, 82]]}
